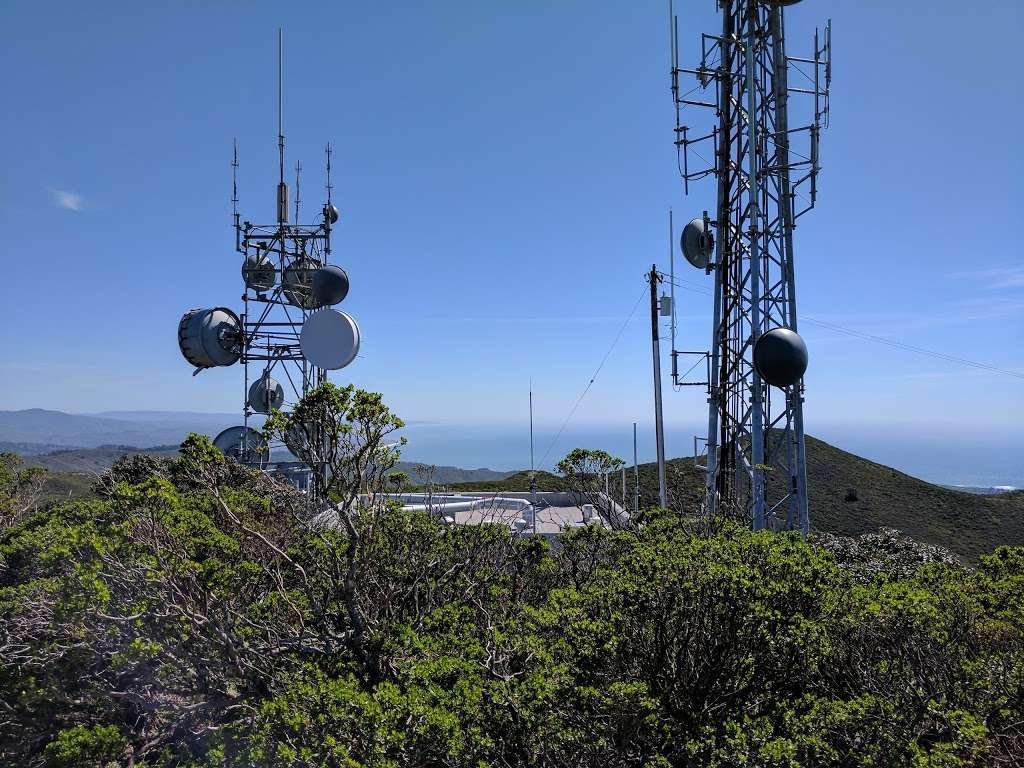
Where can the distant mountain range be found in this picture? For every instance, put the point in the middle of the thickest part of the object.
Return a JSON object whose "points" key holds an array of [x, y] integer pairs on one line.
{"points": [[74, 443], [37, 430], [982, 490], [93, 461]]}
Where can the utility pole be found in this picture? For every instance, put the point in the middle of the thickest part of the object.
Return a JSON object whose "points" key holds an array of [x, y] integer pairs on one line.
{"points": [[659, 427], [533, 476]]}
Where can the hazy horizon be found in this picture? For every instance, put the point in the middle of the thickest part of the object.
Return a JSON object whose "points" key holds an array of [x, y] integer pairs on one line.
{"points": [[929, 452]]}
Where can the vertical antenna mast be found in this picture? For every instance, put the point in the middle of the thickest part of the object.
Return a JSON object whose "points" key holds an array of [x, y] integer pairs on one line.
{"points": [[298, 193], [234, 194], [234, 180], [531, 425], [329, 209], [672, 294], [327, 151], [282, 188], [636, 475]]}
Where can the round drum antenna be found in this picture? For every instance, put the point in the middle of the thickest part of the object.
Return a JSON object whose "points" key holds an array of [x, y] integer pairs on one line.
{"points": [[780, 357], [330, 285], [210, 337]]}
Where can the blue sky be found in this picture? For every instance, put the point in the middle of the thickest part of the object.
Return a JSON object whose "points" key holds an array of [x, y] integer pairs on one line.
{"points": [[503, 173]]}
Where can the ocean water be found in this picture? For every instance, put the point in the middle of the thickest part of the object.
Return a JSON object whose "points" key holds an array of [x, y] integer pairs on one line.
{"points": [[931, 455]]}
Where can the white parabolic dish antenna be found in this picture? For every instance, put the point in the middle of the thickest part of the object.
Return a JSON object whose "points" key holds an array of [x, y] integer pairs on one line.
{"points": [[330, 339]]}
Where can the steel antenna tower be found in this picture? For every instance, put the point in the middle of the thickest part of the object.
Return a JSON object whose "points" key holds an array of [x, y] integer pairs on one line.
{"points": [[763, 151], [287, 336]]}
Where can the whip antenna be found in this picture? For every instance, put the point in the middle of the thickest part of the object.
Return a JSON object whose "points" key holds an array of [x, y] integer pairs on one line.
{"points": [[282, 188]]}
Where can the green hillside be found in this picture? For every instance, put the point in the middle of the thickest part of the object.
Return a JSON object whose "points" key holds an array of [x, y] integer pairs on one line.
{"points": [[67, 486], [93, 460], [968, 524], [418, 473], [72, 471], [848, 495], [518, 481]]}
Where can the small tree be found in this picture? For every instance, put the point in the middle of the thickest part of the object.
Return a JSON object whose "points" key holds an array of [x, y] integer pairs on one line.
{"points": [[342, 433], [20, 489], [433, 492], [586, 472]]}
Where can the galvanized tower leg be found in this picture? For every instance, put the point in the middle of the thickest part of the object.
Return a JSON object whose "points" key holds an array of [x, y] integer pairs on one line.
{"points": [[756, 389], [798, 515], [715, 396]]}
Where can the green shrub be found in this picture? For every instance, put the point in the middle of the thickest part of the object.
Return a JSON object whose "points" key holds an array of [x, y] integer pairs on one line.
{"points": [[85, 747]]}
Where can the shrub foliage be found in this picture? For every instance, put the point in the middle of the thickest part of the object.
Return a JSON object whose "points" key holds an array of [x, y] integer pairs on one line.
{"points": [[199, 614]]}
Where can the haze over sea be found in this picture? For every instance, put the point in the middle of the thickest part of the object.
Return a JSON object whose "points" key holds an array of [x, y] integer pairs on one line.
{"points": [[931, 455], [927, 451]]}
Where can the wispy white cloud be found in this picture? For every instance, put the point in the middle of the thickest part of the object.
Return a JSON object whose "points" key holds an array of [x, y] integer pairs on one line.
{"points": [[959, 373], [995, 277], [66, 199], [539, 320], [991, 307], [961, 311]]}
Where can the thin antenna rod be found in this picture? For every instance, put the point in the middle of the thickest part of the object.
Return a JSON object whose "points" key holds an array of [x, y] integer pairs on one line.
{"points": [[282, 188], [298, 198], [234, 194], [234, 178], [531, 425], [280, 97], [672, 287], [328, 208], [329, 187], [636, 476]]}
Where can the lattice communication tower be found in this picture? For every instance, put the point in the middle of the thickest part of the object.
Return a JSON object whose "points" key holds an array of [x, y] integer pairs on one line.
{"points": [[761, 147], [287, 336]]}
